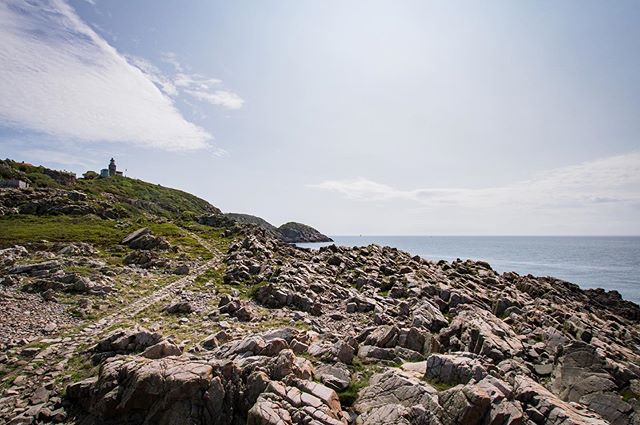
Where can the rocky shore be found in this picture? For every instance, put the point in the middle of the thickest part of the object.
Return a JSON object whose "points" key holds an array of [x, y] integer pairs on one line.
{"points": [[116, 310], [366, 335]]}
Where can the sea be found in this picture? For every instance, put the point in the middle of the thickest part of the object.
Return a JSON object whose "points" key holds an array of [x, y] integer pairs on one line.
{"points": [[608, 262]]}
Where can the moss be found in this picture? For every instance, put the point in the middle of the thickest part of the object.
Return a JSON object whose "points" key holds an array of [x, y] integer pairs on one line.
{"points": [[440, 386], [251, 291], [350, 395], [627, 394], [213, 275], [79, 367], [362, 374]]}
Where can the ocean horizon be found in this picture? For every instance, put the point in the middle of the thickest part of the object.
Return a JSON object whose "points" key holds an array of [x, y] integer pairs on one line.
{"points": [[609, 262]]}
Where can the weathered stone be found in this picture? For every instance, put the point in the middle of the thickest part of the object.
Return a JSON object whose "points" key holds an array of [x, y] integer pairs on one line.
{"points": [[454, 369], [162, 349]]}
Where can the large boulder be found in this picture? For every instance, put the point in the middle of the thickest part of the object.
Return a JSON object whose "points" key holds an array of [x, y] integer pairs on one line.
{"points": [[125, 341], [481, 332], [544, 407], [581, 376], [390, 396], [143, 239], [299, 402], [454, 369], [173, 390]]}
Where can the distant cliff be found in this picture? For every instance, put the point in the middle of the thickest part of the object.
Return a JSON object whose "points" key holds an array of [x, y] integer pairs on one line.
{"points": [[290, 232]]}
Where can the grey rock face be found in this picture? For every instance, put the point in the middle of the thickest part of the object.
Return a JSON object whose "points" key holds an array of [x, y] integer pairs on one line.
{"points": [[143, 239], [483, 333], [167, 390], [454, 369], [336, 377], [122, 341], [544, 407]]}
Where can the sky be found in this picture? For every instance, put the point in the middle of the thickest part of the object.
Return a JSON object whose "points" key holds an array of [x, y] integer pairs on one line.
{"points": [[356, 117]]}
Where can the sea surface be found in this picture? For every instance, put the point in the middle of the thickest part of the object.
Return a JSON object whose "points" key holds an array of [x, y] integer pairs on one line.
{"points": [[607, 262]]}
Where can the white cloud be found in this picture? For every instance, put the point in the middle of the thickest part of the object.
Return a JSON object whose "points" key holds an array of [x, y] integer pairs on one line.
{"points": [[154, 74], [172, 59], [608, 180], [195, 81], [58, 77], [197, 86], [224, 98]]}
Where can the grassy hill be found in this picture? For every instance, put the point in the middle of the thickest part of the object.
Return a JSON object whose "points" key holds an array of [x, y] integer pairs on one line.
{"points": [[100, 211], [130, 197]]}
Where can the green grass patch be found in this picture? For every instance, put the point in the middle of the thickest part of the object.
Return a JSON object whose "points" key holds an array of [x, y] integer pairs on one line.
{"points": [[148, 197], [627, 394], [23, 229], [440, 386]]}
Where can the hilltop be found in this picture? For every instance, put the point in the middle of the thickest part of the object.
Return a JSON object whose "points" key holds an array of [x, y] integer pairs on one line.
{"points": [[57, 193], [290, 232], [127, 302]]}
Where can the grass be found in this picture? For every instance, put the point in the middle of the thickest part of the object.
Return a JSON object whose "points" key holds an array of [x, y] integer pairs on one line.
{"points": [[363, 374], [152, 198], [23, 229], [440, 386], [103, 233], [250, 292], [627, 394]]}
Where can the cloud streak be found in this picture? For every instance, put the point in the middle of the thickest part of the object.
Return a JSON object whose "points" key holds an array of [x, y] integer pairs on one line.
{"points": [[196, 86], [58, 77], [610, 180]]}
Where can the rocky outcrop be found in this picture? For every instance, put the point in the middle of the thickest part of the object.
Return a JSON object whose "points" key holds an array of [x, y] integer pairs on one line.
{"points": [[123, 341], [297, 232], [255, 390], [143, 239], [290, 232], [366, 335]]}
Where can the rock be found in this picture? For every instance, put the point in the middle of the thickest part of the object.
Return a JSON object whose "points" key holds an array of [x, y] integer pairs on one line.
{"points": [[41, 395], [465, 405], [557, 412], [210, 342], [454, 369], [179, 307], [182, 269], [123, 341], [481, 332], [414, 340], [303, 402], [162, 349], [205, 391], [49, 295], [580, 376], [149, 242], [135, 235], [389, 397], [297, 232], [337, 377], [383, 336], [371, 353], [427, 315]]}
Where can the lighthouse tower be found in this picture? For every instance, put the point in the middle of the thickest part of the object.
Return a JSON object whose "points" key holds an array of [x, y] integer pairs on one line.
{"points": [[112, 167]]}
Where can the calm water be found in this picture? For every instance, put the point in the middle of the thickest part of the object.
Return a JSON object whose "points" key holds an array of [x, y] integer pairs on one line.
{"points": [[591, 262]]}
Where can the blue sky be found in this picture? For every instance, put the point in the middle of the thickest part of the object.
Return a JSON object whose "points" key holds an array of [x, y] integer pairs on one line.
{"points": [[376, 117]]}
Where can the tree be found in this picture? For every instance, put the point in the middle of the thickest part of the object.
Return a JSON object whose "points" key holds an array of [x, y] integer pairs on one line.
{"points": [[90, 175]]}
